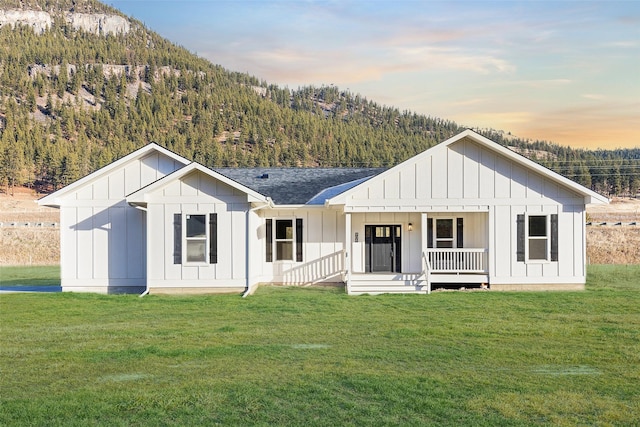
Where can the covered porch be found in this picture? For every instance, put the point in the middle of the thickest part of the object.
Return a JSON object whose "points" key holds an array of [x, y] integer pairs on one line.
{"points": [[410, 252]]}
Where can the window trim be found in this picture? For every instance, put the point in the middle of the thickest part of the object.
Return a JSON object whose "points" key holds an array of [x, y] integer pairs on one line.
{"points": [[451, 239], [206, 239], [291, 239], [457, 224], [529, 238], [296, 240], [524, 238]]}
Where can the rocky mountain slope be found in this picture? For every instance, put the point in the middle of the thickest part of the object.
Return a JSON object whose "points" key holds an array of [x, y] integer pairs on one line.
{"points": [[40, 21], [81, 85]]}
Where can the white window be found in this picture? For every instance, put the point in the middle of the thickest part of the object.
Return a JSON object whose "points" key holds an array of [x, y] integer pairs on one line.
{"points": [[284, 237], [284, 240], [538, 237], [444, 233], [196, 238]]}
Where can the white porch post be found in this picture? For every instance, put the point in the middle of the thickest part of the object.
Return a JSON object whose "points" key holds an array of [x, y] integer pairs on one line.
{"points": [[492, 243], [424, 243], [247, 255], [347, 250]]}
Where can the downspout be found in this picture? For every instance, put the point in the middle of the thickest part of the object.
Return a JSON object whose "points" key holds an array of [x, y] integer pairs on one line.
{"points": [[250, 289], [146, 285]]}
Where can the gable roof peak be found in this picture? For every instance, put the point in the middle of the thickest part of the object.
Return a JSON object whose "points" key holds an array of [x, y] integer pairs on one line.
{"points": [[53, 199], [589, 195], [139, 197]]}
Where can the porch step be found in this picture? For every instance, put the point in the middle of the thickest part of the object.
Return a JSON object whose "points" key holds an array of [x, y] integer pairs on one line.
{"points": [[404, 278], [397, 283], [407, 283], [377, 288]]}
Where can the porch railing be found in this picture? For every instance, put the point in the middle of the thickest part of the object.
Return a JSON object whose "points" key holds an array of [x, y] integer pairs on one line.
{"points": [[426, 271], [457, 260]]}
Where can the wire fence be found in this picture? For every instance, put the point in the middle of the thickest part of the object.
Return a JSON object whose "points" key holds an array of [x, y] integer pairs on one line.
{"points": [[605, 223], [21, 224]]}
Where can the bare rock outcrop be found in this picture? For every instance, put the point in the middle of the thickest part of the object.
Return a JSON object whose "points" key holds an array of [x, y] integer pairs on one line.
{"points": [[39, 21], [95, 23], [98, 23]]}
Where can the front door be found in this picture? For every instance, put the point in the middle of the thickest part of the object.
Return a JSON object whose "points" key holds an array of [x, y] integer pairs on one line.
{"points": [[382, 253]]}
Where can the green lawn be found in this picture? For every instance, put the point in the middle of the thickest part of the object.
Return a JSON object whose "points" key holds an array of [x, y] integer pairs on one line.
{"points": [[36, 275], [292, 356]]}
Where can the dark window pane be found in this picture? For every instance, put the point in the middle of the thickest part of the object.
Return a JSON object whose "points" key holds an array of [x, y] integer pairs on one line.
{"points": [[538, 249], [460, 232], [196, 250], [269, 240], [196, 226], [213, 238], [520, 242], [537, 226], [554, 237], [444, 244], [444, 229], [177, 238], [284, 229], [284, 251], [299, 239]]}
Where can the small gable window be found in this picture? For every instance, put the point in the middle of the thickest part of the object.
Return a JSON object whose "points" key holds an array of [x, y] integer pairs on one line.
{"points": [[195, 238]]}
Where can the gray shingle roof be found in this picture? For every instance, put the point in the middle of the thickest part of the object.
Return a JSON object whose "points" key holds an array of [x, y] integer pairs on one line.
{"points": [[296, 186]]}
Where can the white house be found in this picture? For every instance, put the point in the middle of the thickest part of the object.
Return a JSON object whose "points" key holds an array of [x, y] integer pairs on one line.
{"points": [[467, 212]]}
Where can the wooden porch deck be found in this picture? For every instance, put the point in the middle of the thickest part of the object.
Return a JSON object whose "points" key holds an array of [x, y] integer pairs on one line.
{"points": [[440, 266]]}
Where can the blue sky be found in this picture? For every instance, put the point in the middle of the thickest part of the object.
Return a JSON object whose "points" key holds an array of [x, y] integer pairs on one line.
{"points": [[564, 71]]}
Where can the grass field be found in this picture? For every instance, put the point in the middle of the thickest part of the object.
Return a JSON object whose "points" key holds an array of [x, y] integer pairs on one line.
{"points": [[34, 275], [309, 356]]}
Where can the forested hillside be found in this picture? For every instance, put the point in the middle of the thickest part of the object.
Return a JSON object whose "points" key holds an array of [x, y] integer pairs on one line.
{"points": [[74, 98]]}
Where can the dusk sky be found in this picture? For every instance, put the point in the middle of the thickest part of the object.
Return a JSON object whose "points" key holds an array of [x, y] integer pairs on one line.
{"points": [[563, 71]]}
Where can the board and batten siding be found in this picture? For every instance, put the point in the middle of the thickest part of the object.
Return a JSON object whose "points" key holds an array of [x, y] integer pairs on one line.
{"points": [[570, 267], [323, 247], [197, 193], [461, 177], [103, 237], [468, 177]]}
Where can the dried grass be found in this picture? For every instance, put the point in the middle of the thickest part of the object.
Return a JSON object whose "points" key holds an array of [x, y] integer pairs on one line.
{"points": [[613, 244], [29, 246]]}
